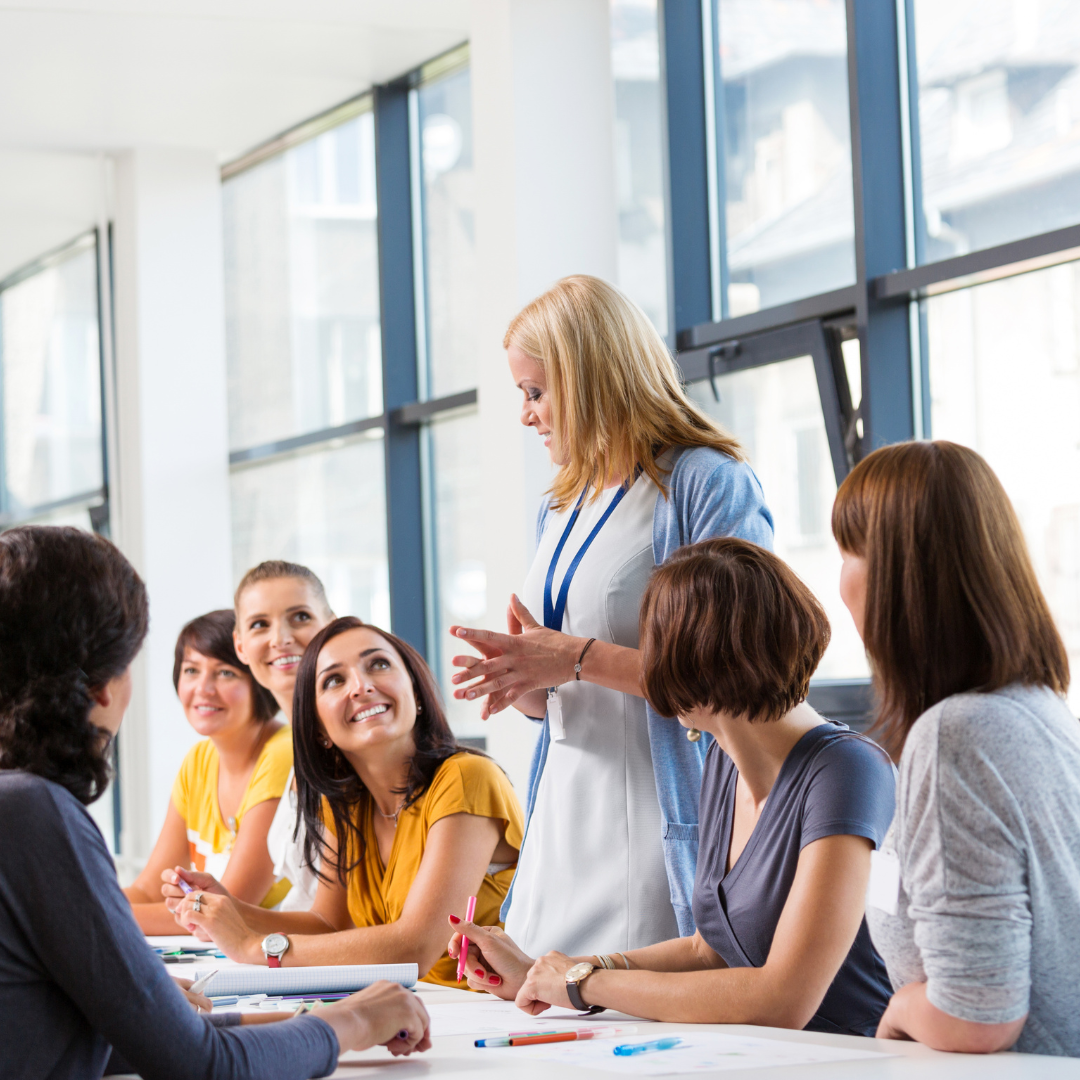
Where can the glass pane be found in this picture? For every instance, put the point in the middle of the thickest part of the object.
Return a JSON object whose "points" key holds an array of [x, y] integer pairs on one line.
{"points": [[51, 365], [999, 120], [776, 413], [1005, 380], [787, 150], [456, 524], [445, 116], [639, 156], [326, 510], [302, 288]]}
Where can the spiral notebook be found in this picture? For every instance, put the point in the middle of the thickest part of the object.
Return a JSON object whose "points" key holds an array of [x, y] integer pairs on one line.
{"points": [[254, 979]]}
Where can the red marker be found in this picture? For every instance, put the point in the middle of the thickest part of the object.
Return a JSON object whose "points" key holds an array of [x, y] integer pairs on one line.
{"points": [[463, 953]]}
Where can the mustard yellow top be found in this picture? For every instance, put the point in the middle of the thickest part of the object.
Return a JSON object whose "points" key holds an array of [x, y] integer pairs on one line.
{"points": [[463, 784], [195, 796]]}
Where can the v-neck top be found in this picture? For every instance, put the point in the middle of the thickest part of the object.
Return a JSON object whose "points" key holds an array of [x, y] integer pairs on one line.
{"points": [[833, 782], [195, 796], [463, 784]]}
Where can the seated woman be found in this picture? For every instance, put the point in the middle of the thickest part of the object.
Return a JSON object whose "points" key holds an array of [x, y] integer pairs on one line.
{"points": [[977, 920], [77, 979], [415, 823], [227, 791], [791, 807], [280, 606]]}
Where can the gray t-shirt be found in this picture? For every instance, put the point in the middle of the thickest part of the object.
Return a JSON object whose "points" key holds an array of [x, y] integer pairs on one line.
{"points": [[987, 831], [78, 978]]}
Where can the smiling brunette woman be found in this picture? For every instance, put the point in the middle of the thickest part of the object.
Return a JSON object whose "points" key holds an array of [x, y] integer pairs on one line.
{"points": [[414, 823], [227, 791]]}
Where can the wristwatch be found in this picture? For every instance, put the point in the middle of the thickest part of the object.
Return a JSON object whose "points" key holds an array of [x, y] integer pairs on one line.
{"points": [[274, 947], [574, 978]]}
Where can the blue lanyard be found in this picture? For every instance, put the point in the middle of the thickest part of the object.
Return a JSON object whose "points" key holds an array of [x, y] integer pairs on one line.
{"points": [[553, 613]]}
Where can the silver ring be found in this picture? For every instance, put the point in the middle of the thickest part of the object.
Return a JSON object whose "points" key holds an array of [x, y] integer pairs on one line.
{"points": [[197, 902]]}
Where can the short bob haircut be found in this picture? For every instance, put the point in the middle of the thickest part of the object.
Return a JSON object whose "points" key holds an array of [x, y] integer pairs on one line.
{"points": [[324, 774], [952, 603], [212, 635], [617, 399], [73, 615], [727, 626]]}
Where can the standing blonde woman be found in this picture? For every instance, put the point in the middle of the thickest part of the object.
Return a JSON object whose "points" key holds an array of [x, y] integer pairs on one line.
{"points": [[610, 848]]}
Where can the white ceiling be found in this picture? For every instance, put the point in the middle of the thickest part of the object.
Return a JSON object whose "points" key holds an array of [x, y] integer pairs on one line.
{"points": [[83, 77]]}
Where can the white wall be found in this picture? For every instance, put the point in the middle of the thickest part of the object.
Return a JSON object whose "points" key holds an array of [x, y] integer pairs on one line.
{"points": [[543, 133], [171, 489]]}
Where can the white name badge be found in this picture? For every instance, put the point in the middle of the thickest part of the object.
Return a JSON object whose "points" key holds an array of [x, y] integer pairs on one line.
{"points": [[883, 892], [554, 715]]}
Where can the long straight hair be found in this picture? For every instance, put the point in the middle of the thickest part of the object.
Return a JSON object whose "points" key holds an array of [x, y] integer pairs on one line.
{"points": [[952, 602], [616, 397], [324, 778]]}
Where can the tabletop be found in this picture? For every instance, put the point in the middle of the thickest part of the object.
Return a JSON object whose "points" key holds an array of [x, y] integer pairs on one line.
{"points": [[455, 1056]]}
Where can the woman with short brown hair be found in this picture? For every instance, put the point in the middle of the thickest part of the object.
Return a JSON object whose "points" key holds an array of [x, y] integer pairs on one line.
{"points": [[975, 903], [791, 806]]}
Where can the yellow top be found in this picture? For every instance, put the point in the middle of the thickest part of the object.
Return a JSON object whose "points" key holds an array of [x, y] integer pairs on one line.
{"points": [[194, 794], [463, 784]]}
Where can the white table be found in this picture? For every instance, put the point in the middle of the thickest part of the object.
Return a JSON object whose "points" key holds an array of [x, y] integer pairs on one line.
{"points": [[455, 1056]]}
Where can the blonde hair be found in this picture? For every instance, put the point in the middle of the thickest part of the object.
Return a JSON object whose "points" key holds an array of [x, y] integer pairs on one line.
{"points": [[275, 570], [616, 397]]}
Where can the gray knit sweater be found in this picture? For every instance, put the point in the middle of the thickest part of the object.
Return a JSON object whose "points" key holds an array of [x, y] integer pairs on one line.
{"points": [[987, 831]]}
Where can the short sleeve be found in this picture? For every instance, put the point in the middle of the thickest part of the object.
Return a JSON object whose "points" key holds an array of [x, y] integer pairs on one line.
{"points": [[963, 866], [272, 771], [187, 784], [471, 784], [852, 791]]}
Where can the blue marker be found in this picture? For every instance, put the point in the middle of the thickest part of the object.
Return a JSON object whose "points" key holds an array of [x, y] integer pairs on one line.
{"points": [[629, 1049]]}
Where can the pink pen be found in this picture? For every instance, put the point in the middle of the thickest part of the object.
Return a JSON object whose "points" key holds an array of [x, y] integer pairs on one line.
{"points": [[463, 952]]}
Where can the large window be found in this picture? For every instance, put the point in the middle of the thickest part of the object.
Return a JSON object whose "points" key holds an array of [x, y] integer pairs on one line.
{"points": [[999, 121], [1009, 387], [785, 172], [305, 360], [639, 160], [50, 365], [441, 115]]}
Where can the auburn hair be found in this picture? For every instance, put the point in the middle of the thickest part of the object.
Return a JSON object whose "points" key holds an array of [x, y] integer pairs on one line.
{"points": [[952, 602], [617, 400], [326, 782], [728, 626]]}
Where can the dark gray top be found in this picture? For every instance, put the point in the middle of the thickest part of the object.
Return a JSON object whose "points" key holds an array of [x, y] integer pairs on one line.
{"points": [[78, 978], [834, 782], [987, 832]]}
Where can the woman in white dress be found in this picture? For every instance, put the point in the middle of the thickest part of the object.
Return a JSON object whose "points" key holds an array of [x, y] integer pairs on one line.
{"points": [[611, 841]]}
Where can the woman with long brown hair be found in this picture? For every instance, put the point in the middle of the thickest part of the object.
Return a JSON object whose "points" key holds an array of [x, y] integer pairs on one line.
{"points": [[975, 897], [404, 822]]}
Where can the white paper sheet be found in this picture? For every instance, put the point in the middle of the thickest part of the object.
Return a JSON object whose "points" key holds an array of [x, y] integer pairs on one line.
{"points": [[180, 941], [708, 1051], [487, 1017]]}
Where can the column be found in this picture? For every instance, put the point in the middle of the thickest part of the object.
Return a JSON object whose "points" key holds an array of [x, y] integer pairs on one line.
{"points": [[543, 123], [171, 480]]}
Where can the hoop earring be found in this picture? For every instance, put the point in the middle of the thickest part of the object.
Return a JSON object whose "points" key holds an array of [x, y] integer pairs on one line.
{"points": [[693, 735]]}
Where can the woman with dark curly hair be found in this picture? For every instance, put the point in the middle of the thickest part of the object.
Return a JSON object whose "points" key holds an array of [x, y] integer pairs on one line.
{"points": [[414, 822], [80, 991], [230, 783]]}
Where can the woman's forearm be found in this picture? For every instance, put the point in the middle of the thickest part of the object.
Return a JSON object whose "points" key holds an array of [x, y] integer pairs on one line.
{"points": [[613, 666], [265, 921], [677, 954], [391, 943], [156, 919], [725, 996]]}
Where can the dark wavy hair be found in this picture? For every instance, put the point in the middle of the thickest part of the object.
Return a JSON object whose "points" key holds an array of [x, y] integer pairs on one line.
{"points": [[324, 773], [73, 615], [212, 635]]}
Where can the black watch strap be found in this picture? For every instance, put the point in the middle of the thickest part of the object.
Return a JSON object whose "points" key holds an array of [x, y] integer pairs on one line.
{"points": [[574, 994]]}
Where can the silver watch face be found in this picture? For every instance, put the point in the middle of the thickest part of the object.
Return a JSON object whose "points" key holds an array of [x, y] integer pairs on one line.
{"points": [[275, 944], [579, 971]]}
